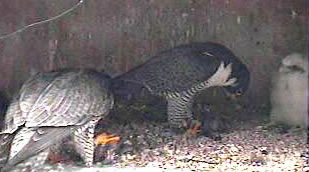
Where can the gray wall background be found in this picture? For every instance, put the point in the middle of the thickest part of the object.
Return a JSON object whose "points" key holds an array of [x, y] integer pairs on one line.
{"points": [[117, 35]]}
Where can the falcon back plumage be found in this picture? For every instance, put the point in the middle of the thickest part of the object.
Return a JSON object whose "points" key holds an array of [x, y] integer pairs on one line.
{"points": [[180, 73], [51, 106]]}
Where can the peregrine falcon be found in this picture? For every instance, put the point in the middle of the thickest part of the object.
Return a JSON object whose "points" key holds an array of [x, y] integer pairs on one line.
{"points": [[181, 73], [53, 105]]}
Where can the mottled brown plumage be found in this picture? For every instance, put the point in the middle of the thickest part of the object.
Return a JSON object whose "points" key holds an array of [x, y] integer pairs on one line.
{"points": [[53, 105]]}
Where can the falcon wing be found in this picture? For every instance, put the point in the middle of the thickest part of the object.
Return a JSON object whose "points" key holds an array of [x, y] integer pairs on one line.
{"points": [[64, 101], [175, 70], [58, 99], [72, 98], [39, 140], [30, 91]]}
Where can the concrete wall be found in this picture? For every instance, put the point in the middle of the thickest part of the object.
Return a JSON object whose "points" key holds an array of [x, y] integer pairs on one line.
{"points": [[117, 35]]}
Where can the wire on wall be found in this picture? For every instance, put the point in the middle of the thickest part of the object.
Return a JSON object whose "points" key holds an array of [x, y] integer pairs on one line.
{"points": [[41, 22]]}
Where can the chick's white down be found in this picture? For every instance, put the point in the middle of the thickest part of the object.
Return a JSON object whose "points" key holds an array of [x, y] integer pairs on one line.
{"points": [[289, 94]]}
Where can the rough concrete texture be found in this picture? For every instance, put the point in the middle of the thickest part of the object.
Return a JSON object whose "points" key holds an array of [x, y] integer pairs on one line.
{"points": [[117, 35]]}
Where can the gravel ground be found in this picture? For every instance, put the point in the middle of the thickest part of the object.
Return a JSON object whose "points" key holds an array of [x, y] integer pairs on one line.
{"points": [[253, 149], [151, 146]]}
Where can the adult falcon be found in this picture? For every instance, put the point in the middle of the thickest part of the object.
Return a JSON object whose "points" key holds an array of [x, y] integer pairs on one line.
{"points": [[51, 106], [181, 73]]}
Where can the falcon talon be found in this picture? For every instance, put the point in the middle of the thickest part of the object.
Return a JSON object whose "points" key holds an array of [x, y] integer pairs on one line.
{"points": [[104, 139], [195, 129]]}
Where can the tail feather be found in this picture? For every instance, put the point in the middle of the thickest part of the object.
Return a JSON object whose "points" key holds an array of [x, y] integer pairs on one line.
{"points": [[40, 141], [5, 143]]}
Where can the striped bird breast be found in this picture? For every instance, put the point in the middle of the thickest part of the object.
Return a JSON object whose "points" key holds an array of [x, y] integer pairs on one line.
{"points": [[188, 93]]}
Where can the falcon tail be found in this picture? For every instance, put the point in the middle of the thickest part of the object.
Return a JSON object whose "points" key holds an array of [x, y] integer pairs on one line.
{"points": [[42, 139], [5, 142]]}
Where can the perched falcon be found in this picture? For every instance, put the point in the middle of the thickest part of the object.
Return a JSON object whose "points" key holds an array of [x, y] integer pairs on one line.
{"points": [[51, 106], [181, 73]]}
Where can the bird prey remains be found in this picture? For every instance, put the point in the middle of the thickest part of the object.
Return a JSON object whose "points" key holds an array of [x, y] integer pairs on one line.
{"points": [[51, 106], [181, 73]]}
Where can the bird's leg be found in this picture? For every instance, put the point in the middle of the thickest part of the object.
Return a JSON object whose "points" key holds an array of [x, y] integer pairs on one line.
{"points": [[179, 111], [84, 141]]}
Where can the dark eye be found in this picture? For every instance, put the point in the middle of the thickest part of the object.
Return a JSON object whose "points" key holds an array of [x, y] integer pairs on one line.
{"points": [[239, 92]]}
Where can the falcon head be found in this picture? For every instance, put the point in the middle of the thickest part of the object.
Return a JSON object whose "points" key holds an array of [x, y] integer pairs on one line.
{"points": [[242, 74]]}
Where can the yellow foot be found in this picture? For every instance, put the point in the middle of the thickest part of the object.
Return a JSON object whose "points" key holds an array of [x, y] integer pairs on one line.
{"points": [[105, 139], [194, 128]]}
